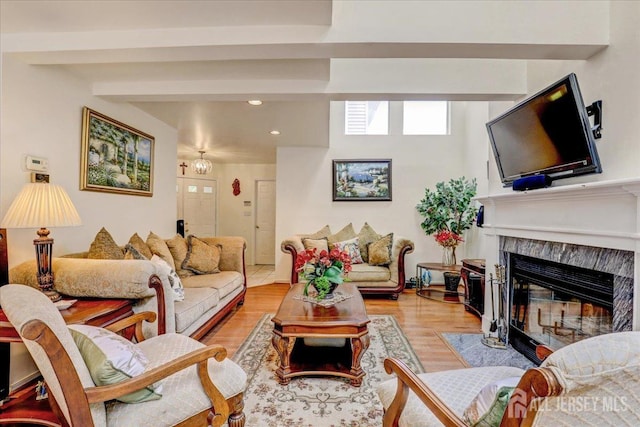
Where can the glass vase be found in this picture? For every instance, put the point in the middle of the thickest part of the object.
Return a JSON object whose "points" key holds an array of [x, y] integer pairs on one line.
{"points": [[448, 255]]}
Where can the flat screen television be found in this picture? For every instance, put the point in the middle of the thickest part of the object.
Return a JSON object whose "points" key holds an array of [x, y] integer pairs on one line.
{"points": [[546, 134]]}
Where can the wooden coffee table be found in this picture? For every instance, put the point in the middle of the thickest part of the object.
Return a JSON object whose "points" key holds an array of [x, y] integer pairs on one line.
{"points": [[297, 319]]}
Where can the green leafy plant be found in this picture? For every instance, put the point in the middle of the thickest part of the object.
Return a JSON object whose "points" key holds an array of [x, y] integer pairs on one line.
{"points": [[324, 270], [448, 207]]}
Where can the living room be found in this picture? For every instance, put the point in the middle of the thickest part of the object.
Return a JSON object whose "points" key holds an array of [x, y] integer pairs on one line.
{"points": [[481, 56]]}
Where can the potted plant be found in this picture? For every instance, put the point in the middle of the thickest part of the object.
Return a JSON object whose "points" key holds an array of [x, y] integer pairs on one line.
{"points": [[447, 212]]}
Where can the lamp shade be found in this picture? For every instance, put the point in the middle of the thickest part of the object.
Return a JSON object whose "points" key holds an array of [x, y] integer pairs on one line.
{"points": [[41, 205]]}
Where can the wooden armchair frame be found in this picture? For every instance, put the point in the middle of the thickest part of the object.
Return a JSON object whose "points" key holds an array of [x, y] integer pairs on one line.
{"points": [[535, 383], [78, 398]]}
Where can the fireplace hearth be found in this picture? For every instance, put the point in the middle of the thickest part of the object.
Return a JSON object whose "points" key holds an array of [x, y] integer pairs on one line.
{"points": [[559, 293]]}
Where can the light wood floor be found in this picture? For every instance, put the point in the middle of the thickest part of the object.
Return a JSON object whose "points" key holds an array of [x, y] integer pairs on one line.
{"points": [[421, 320]]}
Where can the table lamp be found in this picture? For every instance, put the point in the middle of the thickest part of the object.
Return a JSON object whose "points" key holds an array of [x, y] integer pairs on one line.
{"points": [[42, 205]]}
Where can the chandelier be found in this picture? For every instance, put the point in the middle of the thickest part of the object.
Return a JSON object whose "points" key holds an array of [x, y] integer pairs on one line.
{"points": [[201, 166]]}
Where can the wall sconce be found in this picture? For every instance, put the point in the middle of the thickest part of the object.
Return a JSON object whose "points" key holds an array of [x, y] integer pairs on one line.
{"points": [[201, 166]]}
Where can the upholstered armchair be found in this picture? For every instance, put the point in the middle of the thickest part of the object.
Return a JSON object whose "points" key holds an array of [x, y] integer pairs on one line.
{"points": [[594, 382], [200, 386]]}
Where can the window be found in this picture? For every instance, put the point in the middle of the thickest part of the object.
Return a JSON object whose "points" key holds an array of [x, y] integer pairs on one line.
{"points": [[366, 118], [425, 118]]}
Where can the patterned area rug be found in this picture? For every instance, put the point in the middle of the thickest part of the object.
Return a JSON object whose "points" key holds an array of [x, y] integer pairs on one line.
{"points": [[470, 347], [319, 401]]}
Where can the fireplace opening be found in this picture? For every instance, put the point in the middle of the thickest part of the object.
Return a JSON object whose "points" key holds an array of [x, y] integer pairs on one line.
{"points": [[556, 304]]}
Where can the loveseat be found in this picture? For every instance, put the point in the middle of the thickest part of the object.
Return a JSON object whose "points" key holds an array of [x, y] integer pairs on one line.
{"points": [[377, 260], [207, 298]]}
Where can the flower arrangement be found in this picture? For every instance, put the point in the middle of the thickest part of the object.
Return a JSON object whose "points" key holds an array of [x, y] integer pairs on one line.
{"points": [[448, 238], [323, 270]]}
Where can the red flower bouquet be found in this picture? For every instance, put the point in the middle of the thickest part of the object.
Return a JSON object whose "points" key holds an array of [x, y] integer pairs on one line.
{"points": [[448, 238], [323, 270]]}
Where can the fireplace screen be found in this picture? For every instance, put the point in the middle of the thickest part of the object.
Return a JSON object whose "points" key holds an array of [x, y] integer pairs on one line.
{"points": [[556, 318]]}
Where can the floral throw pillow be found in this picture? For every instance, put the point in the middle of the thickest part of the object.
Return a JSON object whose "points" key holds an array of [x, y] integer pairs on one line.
{"points": [[351, 247], [172, 276]]}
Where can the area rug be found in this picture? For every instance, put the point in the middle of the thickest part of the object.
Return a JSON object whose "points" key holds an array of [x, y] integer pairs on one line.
{"points": [[471, 349], [319, 401]]}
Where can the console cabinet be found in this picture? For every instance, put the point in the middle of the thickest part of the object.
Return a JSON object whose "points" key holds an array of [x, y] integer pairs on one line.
{"points": [[472, 273]]}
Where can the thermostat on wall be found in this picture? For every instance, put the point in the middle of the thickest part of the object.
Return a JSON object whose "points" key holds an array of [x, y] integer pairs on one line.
{"points": [[37, 164]]}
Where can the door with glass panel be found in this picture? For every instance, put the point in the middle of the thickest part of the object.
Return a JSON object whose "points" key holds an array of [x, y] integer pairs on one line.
{"points": [[197, 204]]}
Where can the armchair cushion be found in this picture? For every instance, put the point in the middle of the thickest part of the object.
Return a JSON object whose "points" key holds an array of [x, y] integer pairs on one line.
{"points": [[487, 408], [112, 359], [182, 393], [457, 388], [201, 258], [104, 247]]}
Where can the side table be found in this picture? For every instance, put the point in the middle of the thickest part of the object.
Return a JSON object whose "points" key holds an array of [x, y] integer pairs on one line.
{"points": [[437, 291], [22, 407]]}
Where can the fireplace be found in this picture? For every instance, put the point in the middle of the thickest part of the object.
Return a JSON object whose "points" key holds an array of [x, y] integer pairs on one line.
{"points": [[559, 293]]}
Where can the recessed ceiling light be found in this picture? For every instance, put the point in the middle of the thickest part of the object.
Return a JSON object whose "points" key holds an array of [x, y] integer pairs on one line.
{"points": [[254, 102], [275, 132]]}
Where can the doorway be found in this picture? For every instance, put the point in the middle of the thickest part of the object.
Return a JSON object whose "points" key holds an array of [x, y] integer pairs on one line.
{"points": [[265, 240], [197, 205]]}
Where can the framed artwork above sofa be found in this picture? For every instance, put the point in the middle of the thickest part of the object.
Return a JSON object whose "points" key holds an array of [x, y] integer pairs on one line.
{"points": [[362, 180]]}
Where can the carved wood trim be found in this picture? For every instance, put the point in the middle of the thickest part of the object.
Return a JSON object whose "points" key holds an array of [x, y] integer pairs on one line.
{"points": [[70, 384], [156, 284]]}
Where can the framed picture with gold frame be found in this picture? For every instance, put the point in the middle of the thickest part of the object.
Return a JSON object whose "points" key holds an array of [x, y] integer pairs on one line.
{"points": [[116, 158]]}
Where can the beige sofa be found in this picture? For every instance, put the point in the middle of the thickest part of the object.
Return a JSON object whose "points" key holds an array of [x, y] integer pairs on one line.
{"points": [[388, 279], [207, 297]]}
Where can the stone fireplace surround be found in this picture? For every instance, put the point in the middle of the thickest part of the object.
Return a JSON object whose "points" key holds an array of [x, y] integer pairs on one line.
{"points": [[588, 225]]}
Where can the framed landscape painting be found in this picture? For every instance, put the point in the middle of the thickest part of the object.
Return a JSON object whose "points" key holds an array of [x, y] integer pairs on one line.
{"points": [[115, 158], [361, 180]]}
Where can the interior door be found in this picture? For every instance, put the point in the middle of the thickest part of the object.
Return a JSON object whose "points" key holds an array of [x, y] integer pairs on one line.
{"points": [[265, 222], [199, 206]]}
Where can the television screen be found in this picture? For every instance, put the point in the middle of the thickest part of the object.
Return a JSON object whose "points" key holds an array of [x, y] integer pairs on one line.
{"points": [[548, 133]]}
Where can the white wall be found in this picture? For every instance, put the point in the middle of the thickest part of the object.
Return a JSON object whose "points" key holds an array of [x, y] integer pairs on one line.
{"points": [[304, 179], [234, 219], [41, 116]]}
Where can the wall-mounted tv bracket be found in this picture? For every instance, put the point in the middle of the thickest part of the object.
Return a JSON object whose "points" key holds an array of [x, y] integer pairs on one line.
{"points": [[595, 110]]}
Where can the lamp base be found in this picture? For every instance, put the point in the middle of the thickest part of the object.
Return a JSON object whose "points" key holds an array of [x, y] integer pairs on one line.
{"points": [[52, 294]]}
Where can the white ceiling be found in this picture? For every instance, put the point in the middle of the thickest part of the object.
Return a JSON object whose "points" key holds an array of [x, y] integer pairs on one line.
{"points": [[193, 64]]}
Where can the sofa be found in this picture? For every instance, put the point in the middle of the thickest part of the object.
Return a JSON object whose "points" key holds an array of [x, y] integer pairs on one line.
{"points": [[377, 260], [207, 297]]}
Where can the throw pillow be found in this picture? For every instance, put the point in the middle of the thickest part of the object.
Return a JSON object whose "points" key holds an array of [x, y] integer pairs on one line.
{"points": [[140, 245], [132, 253], [351, 247], [201, 258], [172, 276], [322, 233], [487, 408], [380, 250], [111, 359], [104, 247], [178, 247], [365, 236], [159, 247], [345, 234], [318, 244]]}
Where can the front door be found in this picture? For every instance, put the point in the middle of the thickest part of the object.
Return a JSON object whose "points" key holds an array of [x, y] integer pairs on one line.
{"points": [[199, 206]]}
